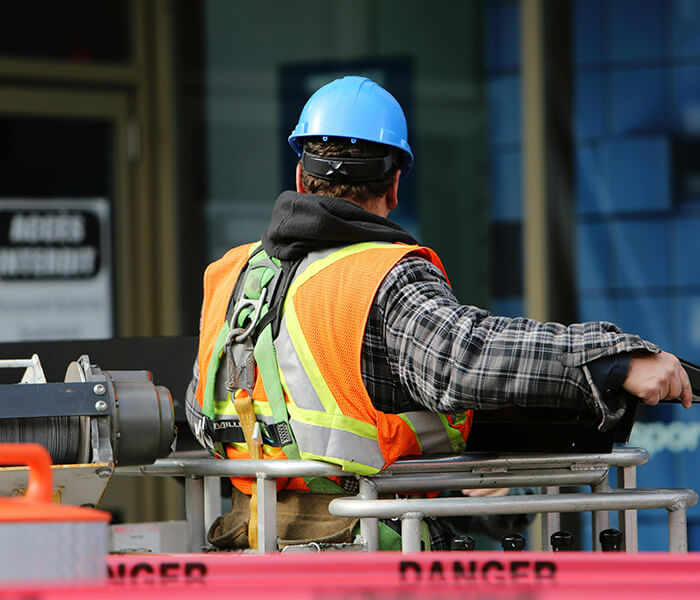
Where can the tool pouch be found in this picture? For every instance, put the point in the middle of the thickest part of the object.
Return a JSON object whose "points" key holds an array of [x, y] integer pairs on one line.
{"points": [[302, 518]]}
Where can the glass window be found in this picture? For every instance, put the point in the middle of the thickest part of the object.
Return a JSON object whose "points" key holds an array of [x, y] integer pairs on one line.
{"points": [[75, 31]]}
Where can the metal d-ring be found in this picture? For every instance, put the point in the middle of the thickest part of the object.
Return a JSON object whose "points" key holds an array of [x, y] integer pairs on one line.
{"points": [[239, 334]]}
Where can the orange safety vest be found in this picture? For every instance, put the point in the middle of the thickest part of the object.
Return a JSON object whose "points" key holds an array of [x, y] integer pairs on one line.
{"points": [[318, 351]]}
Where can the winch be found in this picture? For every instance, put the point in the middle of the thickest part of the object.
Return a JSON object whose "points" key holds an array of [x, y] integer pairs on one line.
{"points": [[90, 423]]}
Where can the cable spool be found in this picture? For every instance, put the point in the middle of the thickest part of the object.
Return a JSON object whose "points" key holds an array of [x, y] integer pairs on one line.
{"points": [[59, 435]]}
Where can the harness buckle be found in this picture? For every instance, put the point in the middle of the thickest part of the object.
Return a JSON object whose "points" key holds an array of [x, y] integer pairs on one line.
{"points": [[239, 334]]}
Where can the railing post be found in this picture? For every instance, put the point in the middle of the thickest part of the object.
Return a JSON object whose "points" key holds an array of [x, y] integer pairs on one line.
{"points": [[369, 527], [267, 513], [627, 519], [194, 501], [212, 502], [551, 522], [677, 528], [601, 518], [410, 532]]}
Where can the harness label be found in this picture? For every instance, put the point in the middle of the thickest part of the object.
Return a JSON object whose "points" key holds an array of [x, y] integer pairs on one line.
{"points": [[226, 425]]}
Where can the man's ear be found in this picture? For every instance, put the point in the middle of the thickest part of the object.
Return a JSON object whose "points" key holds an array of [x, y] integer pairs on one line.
{"points": [[300, 185], [392, 194]]}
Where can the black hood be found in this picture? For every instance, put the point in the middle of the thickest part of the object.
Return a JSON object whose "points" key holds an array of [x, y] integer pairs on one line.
{"points": [[301, 223]]}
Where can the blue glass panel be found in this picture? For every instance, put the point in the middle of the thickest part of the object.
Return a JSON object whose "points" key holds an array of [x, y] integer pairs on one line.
{"points": [[588, 109], [506, 259], [686, 98], [593, 257], [637, 100], [693, 529], [587, 26], [591, 189], [686, 240], [506, 186], [508, 307], [689, 327], [639, 174], [641, 254], [652, 535], [597, 308], [504, 109], [685, 28], [637, 29], [586, 528], [647, 316], [502, 40]]}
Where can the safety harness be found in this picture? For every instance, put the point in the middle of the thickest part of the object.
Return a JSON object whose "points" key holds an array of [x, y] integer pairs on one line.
{"points": [[253, 318]]}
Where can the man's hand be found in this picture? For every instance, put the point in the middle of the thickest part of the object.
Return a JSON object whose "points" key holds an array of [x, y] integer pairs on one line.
{"points": [[655, 377]]}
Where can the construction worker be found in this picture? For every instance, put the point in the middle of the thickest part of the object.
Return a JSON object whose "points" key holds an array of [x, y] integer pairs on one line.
{"points": [[338, 338]]}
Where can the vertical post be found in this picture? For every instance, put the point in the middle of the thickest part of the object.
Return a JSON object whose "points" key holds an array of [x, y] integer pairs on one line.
{"points": [[212, 500], [627, 519], [410, 532], [551, 522], [194, 501], [267, 513], [369, 527], [601, 518], [677, 529], [535, 239], [547, 155]]}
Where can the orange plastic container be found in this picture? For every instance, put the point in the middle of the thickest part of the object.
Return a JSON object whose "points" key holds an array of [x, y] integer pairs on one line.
{"points": [[40, 540]]}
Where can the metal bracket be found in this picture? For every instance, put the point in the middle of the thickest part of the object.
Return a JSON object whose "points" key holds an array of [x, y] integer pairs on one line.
{"points": [[30, 400]]}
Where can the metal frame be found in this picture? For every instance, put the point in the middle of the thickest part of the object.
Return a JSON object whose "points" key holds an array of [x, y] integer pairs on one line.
{"points": [[412, 511], [486, 471]]}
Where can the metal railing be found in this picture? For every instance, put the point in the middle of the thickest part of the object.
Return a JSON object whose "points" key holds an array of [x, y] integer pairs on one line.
{"points": [[548, 471]]}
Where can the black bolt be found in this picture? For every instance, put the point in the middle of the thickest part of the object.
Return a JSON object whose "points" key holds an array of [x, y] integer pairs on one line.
{"points": [[513, 542], [463, 542], [561, 541], [611, 540]]}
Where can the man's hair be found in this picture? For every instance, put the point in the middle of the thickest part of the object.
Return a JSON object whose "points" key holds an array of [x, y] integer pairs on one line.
{"points": [[360, 192]]}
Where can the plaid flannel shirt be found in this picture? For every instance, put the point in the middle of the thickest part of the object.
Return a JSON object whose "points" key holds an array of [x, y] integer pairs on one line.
{"points": [[423, 349]]}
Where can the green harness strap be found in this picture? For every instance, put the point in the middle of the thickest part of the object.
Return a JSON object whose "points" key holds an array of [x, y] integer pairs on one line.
{"points": [[263, 273]]}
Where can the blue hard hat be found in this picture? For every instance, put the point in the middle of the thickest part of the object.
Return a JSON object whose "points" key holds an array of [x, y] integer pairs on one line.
{"points": [[354, 108]]}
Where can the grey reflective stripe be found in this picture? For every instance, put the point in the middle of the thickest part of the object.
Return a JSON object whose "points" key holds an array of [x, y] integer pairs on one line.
{"points": [[331, 441], [337, 443], [430, 432], [300, 388], [312, 257]]}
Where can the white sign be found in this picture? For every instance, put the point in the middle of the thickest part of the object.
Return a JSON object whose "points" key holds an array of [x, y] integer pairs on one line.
{"points": [[55, 270]]}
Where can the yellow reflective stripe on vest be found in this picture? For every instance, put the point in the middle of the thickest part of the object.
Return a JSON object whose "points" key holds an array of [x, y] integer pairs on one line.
{"points": [[226, 408], [328, 437], [351, 451], [297, 342], [300, 349], [321, 429], [429, 430], [214, 363], [456, 440], [304, 402], [322, 263]]}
